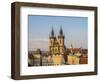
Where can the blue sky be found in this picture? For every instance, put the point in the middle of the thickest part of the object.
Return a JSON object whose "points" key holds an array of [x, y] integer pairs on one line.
{"points": [[75, 30]]}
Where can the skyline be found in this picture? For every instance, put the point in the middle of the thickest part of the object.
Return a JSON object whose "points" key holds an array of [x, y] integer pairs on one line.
{"points": [[75, 30]]}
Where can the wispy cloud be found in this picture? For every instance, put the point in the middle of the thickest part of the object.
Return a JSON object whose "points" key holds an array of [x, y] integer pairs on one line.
{"points": [[42, 44]]}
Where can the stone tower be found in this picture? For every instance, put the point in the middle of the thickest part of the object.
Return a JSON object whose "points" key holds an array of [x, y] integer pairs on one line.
{"points": [[52, 41], [61, 41]]}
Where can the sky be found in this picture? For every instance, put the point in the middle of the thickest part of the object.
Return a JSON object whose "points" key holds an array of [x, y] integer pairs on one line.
{"points": [[75, 30]]}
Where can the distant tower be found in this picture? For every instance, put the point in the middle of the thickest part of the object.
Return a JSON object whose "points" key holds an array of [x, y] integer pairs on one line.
{"points": [[71, 48], [61, 41], [52, 40]]}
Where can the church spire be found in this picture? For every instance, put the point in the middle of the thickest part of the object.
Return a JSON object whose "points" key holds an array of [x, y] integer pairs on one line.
{"points": [[52, 32], [61, 31]]}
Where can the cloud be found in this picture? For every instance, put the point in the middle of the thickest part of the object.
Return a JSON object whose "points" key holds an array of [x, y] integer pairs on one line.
{"points": [[42, 44]]}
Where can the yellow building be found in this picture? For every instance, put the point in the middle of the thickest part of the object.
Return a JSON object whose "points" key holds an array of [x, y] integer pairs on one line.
{"points": [[57, 47], [73, 59]]}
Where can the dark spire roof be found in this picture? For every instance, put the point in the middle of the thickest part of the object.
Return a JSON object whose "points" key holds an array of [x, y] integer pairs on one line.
{"points": [[61, 31], [52, 32]]}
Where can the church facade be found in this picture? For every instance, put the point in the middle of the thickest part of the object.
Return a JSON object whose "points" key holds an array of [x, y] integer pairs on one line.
{"points": [[57, 47]]}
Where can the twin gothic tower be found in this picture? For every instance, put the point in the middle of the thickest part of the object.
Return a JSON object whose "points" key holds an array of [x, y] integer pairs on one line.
{"points": [[57, 46]]}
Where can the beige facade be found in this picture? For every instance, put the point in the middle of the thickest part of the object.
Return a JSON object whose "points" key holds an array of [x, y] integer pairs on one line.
{"points": [[57, 59], [73, 59]]}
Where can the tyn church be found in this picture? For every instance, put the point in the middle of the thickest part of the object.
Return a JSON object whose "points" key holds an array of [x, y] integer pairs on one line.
{"points": [[57, 46]]}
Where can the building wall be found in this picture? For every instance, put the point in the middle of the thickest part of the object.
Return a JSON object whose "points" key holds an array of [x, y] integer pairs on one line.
{"points": [[83, 60], [36, 59], [72, 59], [57, 59]]}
